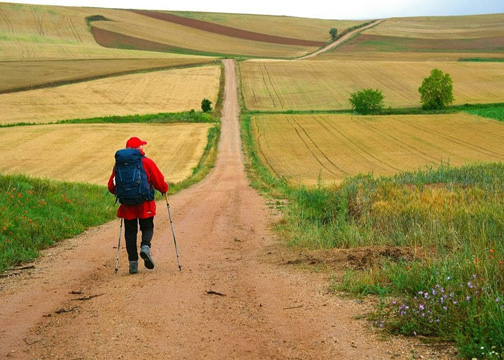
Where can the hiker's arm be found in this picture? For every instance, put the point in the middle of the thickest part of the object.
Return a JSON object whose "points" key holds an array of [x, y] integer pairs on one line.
{"points": [[156, 178], [111, 183]]}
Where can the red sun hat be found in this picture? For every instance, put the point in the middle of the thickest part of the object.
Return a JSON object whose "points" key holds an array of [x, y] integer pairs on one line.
{"points": [[135, 142]]}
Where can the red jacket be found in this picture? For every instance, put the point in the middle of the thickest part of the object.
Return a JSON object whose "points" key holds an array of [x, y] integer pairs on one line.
{"points": [[148, 208]]}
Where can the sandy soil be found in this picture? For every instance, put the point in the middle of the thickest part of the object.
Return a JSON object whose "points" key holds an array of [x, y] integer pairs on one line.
{"points": [[240, 294]]}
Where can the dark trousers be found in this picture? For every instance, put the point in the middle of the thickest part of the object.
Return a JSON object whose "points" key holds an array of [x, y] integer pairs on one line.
{"points": [[130, 234]]}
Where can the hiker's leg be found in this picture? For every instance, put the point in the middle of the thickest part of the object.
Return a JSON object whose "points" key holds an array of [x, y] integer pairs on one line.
{"points": [[147, 228], [130, 234]]}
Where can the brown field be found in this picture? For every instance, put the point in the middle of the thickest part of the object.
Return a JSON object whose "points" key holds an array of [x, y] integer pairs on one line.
{"points": [[164, 91], [284, 26], [85, 153], [22, 75], [303, 148], [327, 85]]}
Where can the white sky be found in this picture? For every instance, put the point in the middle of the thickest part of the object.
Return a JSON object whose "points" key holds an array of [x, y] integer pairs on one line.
{"points": [[322, 9]]}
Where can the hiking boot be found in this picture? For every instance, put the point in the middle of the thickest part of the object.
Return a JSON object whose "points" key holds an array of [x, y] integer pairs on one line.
{"points": [[133, 268], [146, 256]]}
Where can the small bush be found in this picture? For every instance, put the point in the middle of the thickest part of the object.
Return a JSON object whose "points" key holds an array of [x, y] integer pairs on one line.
{"points": [[367, 101], [206, 105]]}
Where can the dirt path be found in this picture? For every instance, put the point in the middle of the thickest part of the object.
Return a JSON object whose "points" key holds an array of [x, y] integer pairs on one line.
{"points": [[340, 40], [235, 298]]}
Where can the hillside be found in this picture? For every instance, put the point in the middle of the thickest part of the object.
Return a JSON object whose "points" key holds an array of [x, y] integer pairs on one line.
{"points": [[429, 37]]}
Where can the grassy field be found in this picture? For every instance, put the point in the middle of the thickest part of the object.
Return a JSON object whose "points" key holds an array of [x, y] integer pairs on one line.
{"points": [[85, 153], [146, 93], [306, 149], [327, 85]]}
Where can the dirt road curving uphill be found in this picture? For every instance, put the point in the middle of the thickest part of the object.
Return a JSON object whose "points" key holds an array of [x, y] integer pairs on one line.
{"points": [[235, 297], [341, 40]]}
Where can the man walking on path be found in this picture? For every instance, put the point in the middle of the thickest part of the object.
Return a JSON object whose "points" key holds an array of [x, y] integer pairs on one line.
{"points": [[140, 214]]}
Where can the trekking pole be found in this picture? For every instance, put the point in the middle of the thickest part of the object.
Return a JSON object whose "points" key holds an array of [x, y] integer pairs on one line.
{"points": [[118, 247], [173, 232]]}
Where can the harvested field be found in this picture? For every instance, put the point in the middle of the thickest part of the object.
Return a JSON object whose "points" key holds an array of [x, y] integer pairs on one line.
{"points": [[31, 32], [404, 56], [327, 85], [303, 148], [227, 30], [85, 153], [155, 31], [478, 33], [283, 26], [15, 76], [376, 43], [150, 93], [442, 27]]}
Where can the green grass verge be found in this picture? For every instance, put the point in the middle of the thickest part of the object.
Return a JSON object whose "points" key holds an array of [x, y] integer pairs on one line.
{"points": [[161, 118], [36, 213], [449, 220], [478, 59], [491, 111]]}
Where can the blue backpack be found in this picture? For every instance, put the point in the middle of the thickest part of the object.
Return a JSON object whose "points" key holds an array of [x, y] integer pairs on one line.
{"points": [[132, 185]]}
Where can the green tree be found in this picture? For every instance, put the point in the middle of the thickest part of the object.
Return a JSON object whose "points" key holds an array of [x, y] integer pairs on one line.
{"points": [[334, 33], [206, 105], [436, 90], [367, 101]]}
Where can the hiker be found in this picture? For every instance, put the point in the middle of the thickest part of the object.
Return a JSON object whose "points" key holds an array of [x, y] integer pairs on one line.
{"points": [[138, 212]]}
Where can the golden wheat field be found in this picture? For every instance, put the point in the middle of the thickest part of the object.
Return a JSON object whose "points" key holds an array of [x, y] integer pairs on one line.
{"points": [[327, 85], [306, 148], [164, 91], [85, 153]]}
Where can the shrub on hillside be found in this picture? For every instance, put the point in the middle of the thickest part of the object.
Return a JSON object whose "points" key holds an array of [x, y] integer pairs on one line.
{"points": [[367, 101]]}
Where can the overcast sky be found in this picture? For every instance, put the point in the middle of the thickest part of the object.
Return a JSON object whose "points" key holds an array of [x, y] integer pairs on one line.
{"points": [[322, 9]]}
